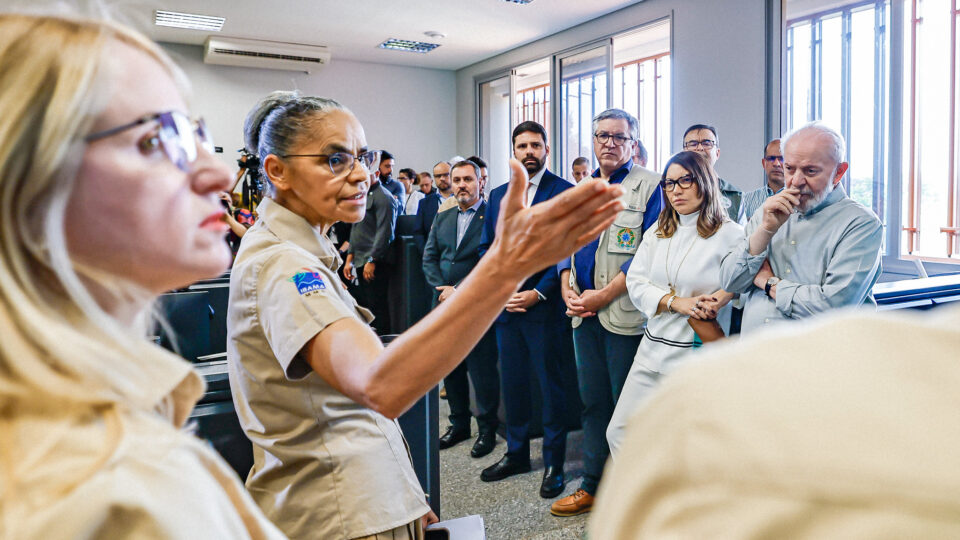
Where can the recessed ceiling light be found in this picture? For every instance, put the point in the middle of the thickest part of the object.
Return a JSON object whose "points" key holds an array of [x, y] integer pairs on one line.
{"points": [[189, 21], [434, 34], [407, 45], [518, 1]]}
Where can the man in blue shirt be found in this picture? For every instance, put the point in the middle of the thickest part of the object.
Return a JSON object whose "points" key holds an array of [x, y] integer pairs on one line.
{"points": [[607, 327], [772, 179]]}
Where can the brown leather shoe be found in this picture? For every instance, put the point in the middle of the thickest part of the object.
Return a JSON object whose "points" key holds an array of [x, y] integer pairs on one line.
{"points": [[572, 505]]}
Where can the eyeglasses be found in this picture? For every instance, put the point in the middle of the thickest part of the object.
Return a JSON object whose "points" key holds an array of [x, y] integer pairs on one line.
{"points": [[706, 144], [173, 137], [772, 159], [684, 182], [618, 140], [343, 162], [442, 175]]}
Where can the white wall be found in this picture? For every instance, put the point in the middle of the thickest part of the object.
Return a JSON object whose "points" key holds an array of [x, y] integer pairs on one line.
{"points": [[408, 111], [718, 74]]}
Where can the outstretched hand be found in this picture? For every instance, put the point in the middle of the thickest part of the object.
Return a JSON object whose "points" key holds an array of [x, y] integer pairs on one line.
{"points": [[529, 239]]}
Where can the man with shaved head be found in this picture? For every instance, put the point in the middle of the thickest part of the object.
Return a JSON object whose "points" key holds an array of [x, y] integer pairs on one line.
{"points": [[810, 248]]}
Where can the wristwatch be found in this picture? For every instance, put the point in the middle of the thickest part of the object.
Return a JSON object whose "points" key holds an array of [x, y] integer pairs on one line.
{"points": [[770, 283]]}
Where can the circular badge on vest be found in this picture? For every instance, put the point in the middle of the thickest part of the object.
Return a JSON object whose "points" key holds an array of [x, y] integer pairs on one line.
{"points": [[626, 238]]}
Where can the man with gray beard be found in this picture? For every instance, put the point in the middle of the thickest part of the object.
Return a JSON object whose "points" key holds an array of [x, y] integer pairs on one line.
{"points": [[810, 248]]}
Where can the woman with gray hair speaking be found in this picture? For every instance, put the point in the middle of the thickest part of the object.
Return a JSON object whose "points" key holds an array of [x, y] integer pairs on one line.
{"points": [[108, 198]]}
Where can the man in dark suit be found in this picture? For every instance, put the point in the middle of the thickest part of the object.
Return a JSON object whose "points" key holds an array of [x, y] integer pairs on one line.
{"points": [[427, 209], [450, 254], [530, 334]]}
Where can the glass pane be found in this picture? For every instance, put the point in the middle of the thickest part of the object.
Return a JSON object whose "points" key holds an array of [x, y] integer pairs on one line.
{"points": [[533, 93], [831, 70], [642, 55], [799, 105], [860, 142], [495, 129], [662, 149], [585, 78], [933, 93]]}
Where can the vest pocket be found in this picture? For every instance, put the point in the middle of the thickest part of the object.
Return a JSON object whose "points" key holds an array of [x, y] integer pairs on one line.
{"points": [[624, 234]]}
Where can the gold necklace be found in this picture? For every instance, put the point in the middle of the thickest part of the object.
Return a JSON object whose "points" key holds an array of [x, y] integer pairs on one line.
{"points": [[666, 261]]}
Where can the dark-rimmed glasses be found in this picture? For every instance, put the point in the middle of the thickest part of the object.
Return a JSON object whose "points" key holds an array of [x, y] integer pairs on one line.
{"points": [[773, 159], [343, 162], [684, 182], [705, 144], [174, 136], [618, 140]]}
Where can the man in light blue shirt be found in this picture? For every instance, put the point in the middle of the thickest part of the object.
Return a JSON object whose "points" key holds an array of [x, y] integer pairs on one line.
{"points": [[811, 248], [772, 163]]}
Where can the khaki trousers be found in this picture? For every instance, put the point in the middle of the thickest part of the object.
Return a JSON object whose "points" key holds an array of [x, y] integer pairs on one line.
{"points": [[410, 531]]}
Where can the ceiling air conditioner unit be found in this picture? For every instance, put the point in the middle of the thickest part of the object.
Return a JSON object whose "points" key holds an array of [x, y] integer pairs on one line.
{"points": [[264, 54]]}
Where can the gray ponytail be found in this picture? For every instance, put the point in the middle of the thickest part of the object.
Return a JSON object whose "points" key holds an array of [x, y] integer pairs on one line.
{"points": [[275, 123]]}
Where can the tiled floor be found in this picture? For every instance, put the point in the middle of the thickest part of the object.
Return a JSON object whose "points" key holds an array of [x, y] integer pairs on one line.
{"points": [[511, 508]]}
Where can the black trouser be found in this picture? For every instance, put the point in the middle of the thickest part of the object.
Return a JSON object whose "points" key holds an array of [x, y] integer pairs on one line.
{"points": [[374, 296], [481, 364]]}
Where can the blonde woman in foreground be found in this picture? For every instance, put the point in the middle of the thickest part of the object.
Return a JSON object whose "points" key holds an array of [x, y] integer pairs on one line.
{"points": [[108, 198]]}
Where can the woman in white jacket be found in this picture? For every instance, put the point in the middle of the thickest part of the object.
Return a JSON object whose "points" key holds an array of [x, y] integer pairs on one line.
{"points": [[675, 277]]}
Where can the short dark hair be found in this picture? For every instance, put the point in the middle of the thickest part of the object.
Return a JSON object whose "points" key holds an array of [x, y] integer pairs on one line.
{"points": [[698, 127], [466, 163], [642, 151], [479, 161], [771, 141], [581, 161], [412, 174], [384, 155], [528, 127]]}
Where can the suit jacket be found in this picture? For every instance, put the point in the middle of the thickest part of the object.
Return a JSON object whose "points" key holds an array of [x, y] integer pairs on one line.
{"points": [[546, 281], [443, 262], [426, 211], [370, 239]]}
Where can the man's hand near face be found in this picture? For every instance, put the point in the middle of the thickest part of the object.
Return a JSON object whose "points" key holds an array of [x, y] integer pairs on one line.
{"points": [[776, 211]]}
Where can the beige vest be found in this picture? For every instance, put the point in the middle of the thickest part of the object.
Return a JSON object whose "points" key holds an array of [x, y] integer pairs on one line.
{"points": [[619, 243]]}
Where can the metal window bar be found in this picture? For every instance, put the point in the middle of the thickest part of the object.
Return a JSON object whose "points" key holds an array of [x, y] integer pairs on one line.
{"points": [[953, 199], [913, 184], [880, 110]]}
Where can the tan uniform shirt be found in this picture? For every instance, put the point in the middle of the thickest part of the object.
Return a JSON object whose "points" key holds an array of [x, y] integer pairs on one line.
{"points": [[841, 426], [324, 466], [119, 472]]}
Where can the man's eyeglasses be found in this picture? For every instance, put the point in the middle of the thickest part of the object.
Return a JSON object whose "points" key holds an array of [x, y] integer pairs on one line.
{"points": [[178, 136], [684, 182], [706, 144], [441, 175], [618, 140], [772, 159], [343, 162]]}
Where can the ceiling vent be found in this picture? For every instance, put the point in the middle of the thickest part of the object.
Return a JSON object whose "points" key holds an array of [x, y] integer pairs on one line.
{"points": [[264, 54]]}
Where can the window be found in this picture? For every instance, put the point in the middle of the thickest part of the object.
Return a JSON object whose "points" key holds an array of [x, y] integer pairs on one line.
{"points": [[583, 94], [641, 86], [532, 97], [565, 91], [831, 57], [838, 70], [930, 225]]}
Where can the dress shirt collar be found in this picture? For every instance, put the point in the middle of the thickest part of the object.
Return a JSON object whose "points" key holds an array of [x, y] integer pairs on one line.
{"points": [[291, 227], [473, 208], [619, 174], [535, 179]]}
